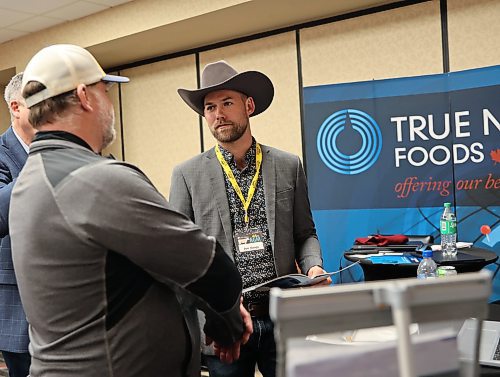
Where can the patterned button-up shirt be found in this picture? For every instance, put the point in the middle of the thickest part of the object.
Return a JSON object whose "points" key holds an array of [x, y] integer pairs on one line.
{"points": [[255, 266]]}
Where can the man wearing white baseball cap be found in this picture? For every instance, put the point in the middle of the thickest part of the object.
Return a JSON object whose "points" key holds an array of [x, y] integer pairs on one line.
{"points": [[101, 258]]}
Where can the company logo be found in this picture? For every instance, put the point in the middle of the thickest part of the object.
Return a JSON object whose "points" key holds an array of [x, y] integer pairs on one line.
{"points": [[331, 130]]}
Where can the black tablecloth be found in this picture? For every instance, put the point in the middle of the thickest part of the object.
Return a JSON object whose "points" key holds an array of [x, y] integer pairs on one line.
{"points": [[478, 258]]}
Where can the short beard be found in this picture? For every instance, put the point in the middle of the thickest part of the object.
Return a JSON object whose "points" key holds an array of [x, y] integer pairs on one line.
{"points": [[107, 120], [234, 133], [109, 137]]}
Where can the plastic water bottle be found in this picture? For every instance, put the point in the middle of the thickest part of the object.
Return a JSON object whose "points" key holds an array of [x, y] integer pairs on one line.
{"points": [[427, 267], [448, 228]]}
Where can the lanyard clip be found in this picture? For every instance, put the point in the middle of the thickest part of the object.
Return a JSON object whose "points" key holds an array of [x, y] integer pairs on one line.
{"points": [[247, 222]]}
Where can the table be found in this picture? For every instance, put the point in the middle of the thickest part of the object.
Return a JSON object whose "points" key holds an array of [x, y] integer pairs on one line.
{"points": [[483, 257], [297, 313], [493, 315]]}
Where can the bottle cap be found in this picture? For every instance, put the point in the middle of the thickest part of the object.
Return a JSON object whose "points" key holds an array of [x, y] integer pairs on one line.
{"points": [[447, 205], [427, 253]]}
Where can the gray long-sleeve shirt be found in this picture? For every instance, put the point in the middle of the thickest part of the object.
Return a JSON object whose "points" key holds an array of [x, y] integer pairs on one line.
{"points": [[100, 257]]}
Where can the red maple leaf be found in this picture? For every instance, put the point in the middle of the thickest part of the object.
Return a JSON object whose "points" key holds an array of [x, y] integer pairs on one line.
{"points": [[495, 156]]}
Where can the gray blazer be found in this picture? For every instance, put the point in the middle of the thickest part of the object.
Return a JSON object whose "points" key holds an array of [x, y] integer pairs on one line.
{"points": [[198, 191]]}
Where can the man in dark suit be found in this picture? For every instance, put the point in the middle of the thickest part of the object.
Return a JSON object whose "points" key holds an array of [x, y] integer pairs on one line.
{"points": [[252, 198], [13, 153]]}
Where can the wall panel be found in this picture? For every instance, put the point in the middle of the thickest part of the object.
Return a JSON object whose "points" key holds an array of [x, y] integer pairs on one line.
{"points": [[5, 77], [159, 129], [276, 56], [4, 115], [473, 31], [400, 42]]}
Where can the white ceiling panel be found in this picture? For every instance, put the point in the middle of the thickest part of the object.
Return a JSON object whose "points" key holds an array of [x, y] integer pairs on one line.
{"points": [[18, 17], [36, 23], [34, 6], [9, 17], [76, 10]]}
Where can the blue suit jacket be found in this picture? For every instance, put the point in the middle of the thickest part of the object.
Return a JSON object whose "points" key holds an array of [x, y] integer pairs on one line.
{"points": [[13, 325]]}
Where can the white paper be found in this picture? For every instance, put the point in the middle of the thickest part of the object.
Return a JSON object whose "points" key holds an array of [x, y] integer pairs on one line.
{"points": [[361, 336], [433, 354]]}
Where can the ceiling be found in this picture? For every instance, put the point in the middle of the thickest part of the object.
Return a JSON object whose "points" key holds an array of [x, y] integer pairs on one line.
{"points": [[244, 19], [21, 17]]}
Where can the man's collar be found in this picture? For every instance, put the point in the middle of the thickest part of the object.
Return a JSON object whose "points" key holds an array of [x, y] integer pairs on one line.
{"points": [[249, 155], [23, 144], [61, 135]]}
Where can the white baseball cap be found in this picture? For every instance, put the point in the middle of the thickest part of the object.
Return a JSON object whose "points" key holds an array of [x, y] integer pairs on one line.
{"points": [[61, 68]]}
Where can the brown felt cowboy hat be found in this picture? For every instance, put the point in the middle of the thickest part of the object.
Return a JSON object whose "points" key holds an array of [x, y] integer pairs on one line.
{"points": [[220, 76]]}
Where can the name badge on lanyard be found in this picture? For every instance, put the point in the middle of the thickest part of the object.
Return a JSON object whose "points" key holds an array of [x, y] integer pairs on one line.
{"points": [[249, 240]]}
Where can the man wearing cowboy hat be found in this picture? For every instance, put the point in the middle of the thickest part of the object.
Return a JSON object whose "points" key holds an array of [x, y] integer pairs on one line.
{"points": [[252, 198]]}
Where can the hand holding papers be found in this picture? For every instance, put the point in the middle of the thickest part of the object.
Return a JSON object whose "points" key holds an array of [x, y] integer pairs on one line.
{"points": [[288, 281], [293, 281]]}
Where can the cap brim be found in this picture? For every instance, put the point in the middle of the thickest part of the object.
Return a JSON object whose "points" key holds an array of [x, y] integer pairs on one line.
{"points": [[114, 78], [251, 83]]}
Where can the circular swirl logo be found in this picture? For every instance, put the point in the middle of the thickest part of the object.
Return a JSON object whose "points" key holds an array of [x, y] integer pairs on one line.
{"points": [[371, 141]]}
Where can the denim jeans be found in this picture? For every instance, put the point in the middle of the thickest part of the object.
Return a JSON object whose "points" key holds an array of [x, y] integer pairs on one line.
{"points": [[18, 364], [260, 349]]}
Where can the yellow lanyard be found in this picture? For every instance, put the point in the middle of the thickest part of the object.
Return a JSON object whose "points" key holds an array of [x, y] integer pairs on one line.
{"points": [[232, 179]]}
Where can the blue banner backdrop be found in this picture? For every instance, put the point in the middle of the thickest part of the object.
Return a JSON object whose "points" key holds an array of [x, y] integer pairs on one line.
{"points": [[384, 155]]}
